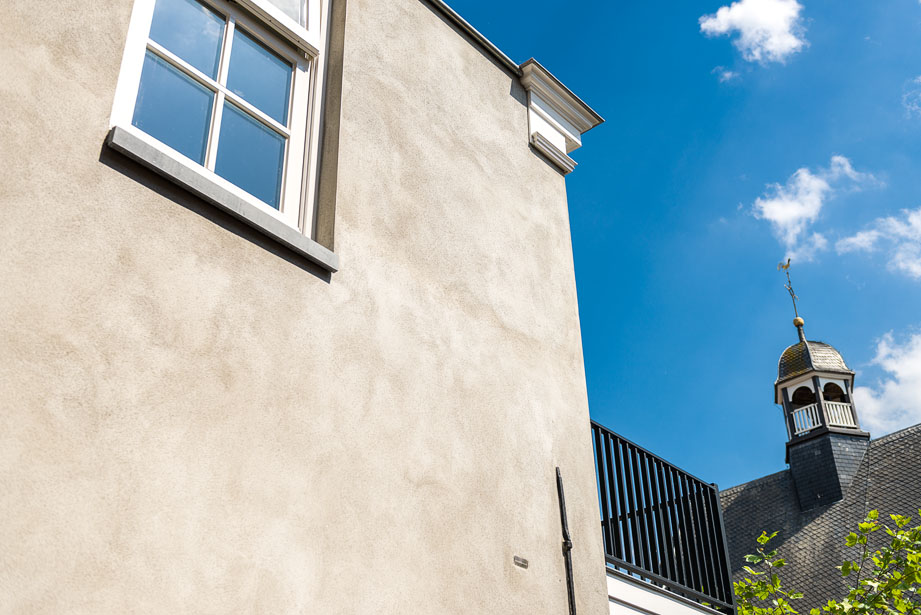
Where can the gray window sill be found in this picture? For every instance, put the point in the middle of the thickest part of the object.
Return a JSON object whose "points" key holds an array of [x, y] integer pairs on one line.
{"points": [[169, 166]]}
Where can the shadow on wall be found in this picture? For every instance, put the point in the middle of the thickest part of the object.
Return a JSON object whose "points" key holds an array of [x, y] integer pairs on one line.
{"points": [[178, 195]]}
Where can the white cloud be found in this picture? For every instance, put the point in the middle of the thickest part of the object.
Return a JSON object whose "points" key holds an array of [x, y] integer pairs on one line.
{"points": [[911, 97], [724, 74], [895, 401], [793, 207], [862, 241], [902, 237], [768, 30]]}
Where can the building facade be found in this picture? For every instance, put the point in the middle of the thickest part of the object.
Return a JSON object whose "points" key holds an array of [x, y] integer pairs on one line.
{"points": [[200, 415], [289, 318]]}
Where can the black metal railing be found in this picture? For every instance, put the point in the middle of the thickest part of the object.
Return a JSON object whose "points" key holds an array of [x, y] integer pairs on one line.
{"points": [[661, 523]]}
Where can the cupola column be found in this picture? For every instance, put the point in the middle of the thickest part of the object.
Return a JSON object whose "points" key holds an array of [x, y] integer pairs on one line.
{"points": [[820, 399], [788, 414]]}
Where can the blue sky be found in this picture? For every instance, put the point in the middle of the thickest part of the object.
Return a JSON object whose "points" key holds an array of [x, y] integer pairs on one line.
{"points": [[737, 134]]}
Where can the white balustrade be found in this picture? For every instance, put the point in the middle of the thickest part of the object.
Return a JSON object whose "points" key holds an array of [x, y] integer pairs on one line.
{"points": [[839, 414], [806, 419]]}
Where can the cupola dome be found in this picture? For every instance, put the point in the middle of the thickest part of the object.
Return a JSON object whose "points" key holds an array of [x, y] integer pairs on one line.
{"points": [[808, 355]]}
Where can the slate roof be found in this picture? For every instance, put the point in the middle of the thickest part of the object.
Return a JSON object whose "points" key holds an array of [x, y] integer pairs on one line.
{"points": [[812, 542], [804, 356]]}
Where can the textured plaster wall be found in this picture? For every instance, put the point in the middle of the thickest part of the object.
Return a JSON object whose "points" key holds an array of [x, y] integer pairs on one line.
{"points": [[193, 420]]}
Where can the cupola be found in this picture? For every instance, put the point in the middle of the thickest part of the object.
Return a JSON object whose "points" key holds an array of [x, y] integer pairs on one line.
{"points": [[815, 387], [825, 445]]}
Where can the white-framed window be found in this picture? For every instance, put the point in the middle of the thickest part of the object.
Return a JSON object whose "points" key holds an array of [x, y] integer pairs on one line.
{"points": [[227, 93]]}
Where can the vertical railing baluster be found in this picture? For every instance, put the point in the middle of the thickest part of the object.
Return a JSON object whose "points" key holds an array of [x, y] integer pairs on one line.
{"points": [[693, 533], [719, 553], [632, 507], [705, 542], [676, 526], [675, 485], [652, 520], [718, 587], [729, 599], [639, 510], [610, 442], [600, 454], [661, 523], [629, 544]]}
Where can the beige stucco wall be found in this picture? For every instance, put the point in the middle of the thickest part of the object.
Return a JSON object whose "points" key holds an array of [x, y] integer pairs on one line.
{"points": [[192, 420]]}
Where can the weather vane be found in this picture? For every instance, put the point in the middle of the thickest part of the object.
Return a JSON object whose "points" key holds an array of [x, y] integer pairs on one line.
{"points": [[789, 285]]}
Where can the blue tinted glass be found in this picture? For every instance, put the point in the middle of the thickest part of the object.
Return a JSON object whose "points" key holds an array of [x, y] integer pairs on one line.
{"points": [[250, 155], [295, 9], [191, 31], [173, 108], [259, 76]]}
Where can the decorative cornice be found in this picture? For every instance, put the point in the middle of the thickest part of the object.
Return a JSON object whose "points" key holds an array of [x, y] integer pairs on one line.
{"points": [[537, 79], [549, 150], [557, 118]]}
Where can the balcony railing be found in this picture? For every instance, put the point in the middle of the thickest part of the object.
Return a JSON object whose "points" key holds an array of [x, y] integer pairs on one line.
{"points": [[840, 414], [806, 419], [660, 523], [809, 417]]}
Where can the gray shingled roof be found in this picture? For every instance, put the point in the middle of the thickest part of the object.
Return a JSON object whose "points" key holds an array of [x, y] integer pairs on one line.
{"points": [[804, 356], [812, 542]]}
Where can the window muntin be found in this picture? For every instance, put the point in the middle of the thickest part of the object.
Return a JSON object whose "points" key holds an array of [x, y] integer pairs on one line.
{"points": [[271, 98], [254, 158]]}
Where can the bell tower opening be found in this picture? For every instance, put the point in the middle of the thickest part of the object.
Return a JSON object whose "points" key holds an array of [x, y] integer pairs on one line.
{"points": [[803, 396], [832, 392]]}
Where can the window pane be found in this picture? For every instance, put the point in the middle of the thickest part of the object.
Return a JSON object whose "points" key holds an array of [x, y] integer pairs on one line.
{"points": [[173, 108], [250, 155], [259, 76], [295, 9], [190, 30]]}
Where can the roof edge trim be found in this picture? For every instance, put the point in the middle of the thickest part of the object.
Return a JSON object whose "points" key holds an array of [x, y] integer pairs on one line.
{"points": [[821, 373], [592, 120], [475, 34]]}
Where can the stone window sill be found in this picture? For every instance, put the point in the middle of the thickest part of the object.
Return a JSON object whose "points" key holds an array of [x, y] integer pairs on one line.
{"points": [[150, 153]]}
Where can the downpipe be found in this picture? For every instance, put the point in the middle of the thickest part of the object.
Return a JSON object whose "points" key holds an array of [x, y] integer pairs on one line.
{"points": [[567, 543]]}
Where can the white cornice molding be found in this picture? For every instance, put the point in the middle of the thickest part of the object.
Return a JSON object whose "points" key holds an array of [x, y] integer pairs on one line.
{"points": [[557, 118], [536, 78], [549, 150]]}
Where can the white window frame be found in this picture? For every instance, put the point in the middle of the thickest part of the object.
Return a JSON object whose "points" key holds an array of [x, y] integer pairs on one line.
{"points": [[304, 47]]}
